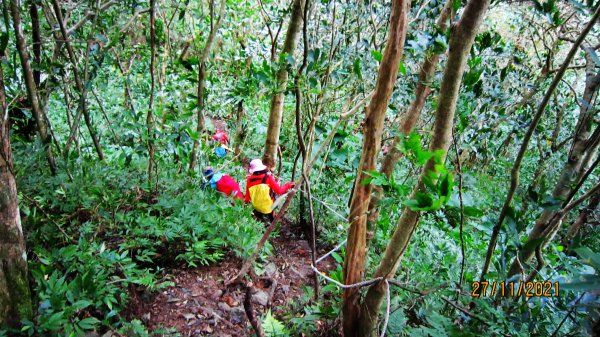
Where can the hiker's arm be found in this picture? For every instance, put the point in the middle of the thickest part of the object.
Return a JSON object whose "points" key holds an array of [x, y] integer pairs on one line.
{"points": [[276, 188]]}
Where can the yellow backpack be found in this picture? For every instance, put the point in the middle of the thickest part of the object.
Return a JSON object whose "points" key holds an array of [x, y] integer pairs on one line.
{"points": [[260, 197]]}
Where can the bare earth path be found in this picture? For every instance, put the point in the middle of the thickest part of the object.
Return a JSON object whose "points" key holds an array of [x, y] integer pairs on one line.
{"points": [[198, 306]]}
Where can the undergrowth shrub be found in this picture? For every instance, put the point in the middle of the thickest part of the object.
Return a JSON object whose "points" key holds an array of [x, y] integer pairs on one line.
{"points": [[98, 235]]}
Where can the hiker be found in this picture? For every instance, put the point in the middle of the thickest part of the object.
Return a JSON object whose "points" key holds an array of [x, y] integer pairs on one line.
{"points": [[223, 183], [259, 185], [221, 151], [222, 137]]}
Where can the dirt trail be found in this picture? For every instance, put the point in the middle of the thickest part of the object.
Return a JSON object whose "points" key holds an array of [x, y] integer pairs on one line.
{"points": [[197, 306]]}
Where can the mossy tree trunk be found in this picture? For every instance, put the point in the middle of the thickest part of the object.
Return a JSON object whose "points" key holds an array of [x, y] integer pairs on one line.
{"points": [[354, 263], [461, 40], [15, 298], [276, 111]]}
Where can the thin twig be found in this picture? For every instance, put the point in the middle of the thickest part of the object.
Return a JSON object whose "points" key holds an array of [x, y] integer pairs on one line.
{"points": [[567, 315], [38, 206], [248, 308], [465, 311]]}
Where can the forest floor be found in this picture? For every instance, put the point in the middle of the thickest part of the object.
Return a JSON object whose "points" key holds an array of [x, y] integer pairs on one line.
{"points": [[200, 305]]}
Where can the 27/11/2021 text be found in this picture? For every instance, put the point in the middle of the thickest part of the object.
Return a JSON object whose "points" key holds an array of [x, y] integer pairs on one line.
{"points": [[511, 289]]}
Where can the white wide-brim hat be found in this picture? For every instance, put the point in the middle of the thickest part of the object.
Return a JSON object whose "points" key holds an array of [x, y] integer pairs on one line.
{"points": [[256, 165]]}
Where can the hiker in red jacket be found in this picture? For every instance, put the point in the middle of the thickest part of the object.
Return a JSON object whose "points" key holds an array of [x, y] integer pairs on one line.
{"points": [[223, 183], [221, 136], [259, 185]]}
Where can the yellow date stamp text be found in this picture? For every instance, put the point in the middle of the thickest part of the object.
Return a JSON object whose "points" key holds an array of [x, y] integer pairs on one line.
{"points": [[512, 289]]}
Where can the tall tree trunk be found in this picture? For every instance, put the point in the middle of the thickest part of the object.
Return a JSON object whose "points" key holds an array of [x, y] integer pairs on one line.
{"points": [[514, 182], [576, 165], [15, 298], [409, 119], [461, 40], [32, 93], [276, 111], [202, 85], [354, 263]]}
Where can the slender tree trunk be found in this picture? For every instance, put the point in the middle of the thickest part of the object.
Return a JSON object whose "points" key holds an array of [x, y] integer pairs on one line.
{"points": [[461, 40], [150, 114], [576, 165], [514, 182], [32, 93], [408, 120], [540, 167], [127, 96], [37, 41], [82, 109], [240, 132], [354, 263], [276, 111], [15, 298], [202, 84]]}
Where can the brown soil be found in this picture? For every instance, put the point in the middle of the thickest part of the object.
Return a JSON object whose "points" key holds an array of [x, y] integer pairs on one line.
{"points": [[199, 304]]}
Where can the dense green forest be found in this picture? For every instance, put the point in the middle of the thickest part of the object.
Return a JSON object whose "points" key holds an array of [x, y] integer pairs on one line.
{"points": [[299, 168]]}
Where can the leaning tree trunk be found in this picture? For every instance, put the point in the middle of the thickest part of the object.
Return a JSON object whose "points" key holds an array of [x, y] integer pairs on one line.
{"points": [[354, 263], [38, 113], [584, 143], [15, 299], [276, 111], [409, 119], [81, 87], [461, 40], [202, 85]]}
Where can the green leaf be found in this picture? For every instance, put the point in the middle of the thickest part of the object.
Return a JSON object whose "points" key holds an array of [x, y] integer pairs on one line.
{"points": [[456, 5], [423, 156], [422, 202], [272, 326], [88, 323], [589, 257], [412, 143], [445, 186], [376, 178], [377, 55], [402, 68], [424, 199], [473, 212], [357, 69]]}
